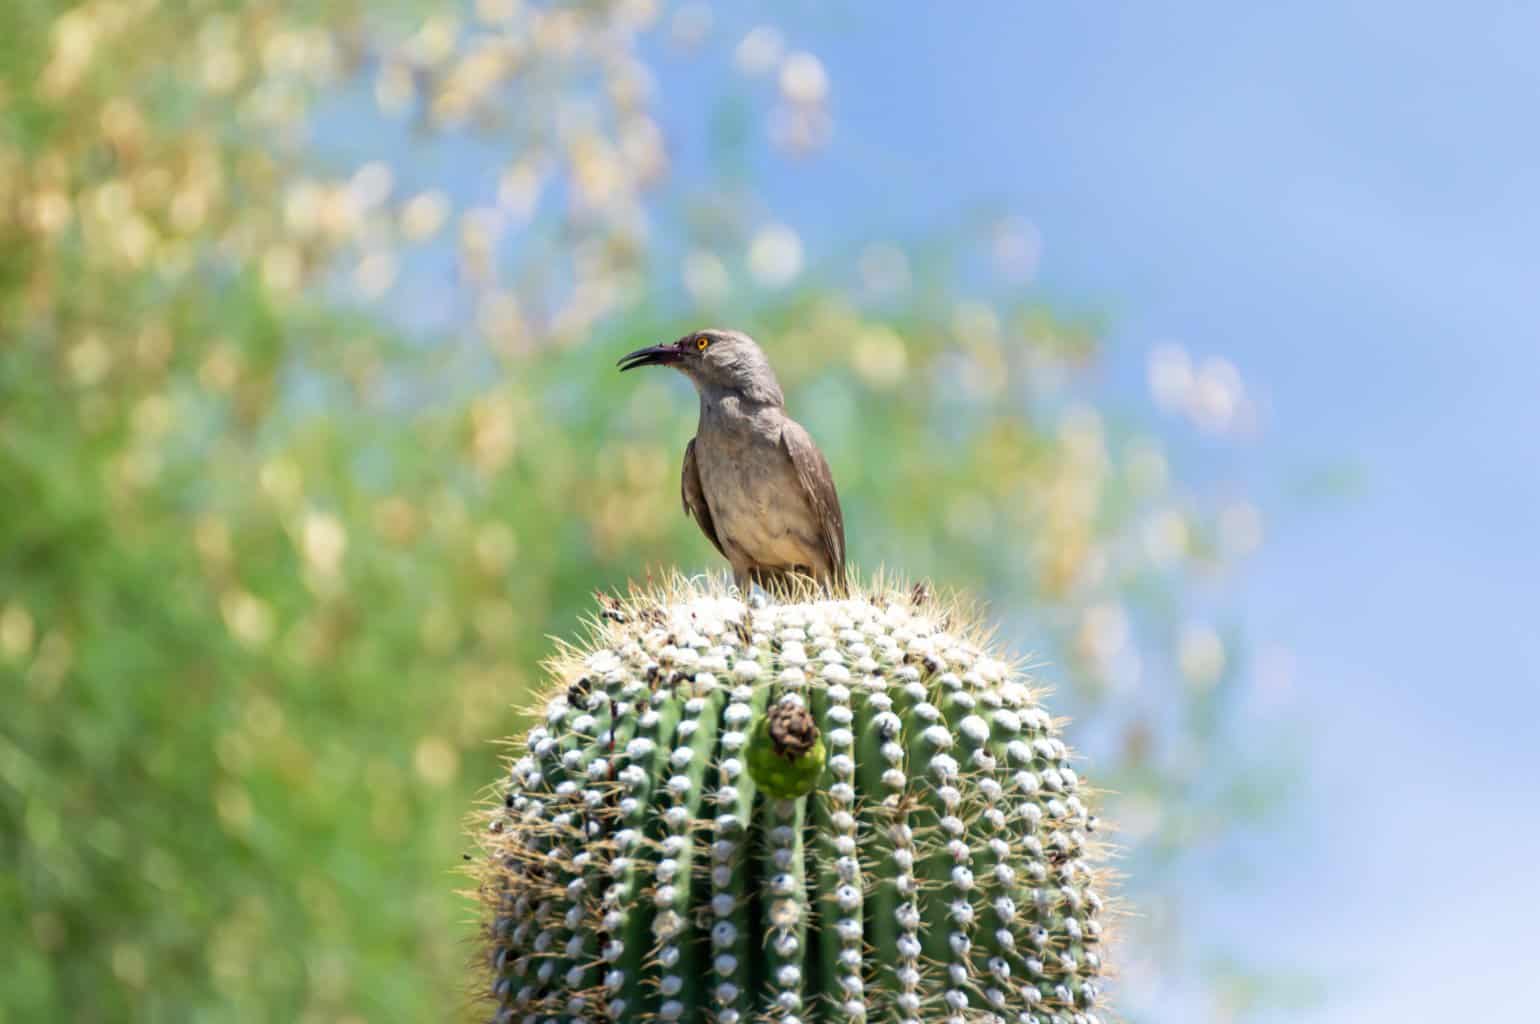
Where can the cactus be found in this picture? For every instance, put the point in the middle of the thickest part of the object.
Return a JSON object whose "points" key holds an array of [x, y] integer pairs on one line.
{"points": [[653, 856]]}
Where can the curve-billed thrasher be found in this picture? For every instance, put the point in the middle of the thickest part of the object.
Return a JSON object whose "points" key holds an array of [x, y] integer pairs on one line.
{"points": [[753, 478]]}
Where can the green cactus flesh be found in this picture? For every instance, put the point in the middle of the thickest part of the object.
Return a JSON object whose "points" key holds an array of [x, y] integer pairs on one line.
{"points": [[939, 867]]}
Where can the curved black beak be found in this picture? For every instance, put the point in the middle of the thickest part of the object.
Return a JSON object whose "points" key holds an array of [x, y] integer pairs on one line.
{"points": [[653, 355]]}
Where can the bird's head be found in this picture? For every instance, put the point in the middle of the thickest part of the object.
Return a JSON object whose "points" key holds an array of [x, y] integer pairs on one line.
{"points": [[718, 362]]}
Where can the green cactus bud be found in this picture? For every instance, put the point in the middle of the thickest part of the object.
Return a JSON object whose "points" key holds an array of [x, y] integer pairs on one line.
{"points": [[820, 809], [786, 754]]}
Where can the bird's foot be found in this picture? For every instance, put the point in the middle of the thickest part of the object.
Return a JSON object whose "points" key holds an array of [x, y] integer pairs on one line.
{"points": [[749, 591]]}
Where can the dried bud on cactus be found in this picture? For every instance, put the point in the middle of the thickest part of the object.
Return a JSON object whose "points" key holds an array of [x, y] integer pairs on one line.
{"points": [[785, 754], [833, 810]]}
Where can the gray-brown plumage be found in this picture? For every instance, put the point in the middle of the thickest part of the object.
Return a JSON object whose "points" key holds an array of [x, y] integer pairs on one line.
{"points": [[753, 479]]}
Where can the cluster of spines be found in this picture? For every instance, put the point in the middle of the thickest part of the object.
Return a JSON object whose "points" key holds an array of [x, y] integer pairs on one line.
{"points": [[841, 879], [730, 851], [947, 831]]}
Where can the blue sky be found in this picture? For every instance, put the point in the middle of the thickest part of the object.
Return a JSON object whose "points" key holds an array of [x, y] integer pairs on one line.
{"points": [[1344, 200]]}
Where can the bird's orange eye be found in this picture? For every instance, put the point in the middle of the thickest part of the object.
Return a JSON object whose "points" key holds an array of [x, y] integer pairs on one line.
{"points": [[701, 343]]}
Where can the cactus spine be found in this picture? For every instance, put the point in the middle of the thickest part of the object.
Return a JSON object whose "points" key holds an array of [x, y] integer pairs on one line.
{"points": [[940, 869]]}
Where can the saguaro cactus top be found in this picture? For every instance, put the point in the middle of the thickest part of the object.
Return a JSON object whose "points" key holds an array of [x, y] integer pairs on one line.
{"points": [[642, 864]]}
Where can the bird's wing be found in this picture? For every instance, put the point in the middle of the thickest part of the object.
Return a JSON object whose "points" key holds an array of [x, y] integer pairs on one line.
{"points": [[818, 485], [694, 498]]}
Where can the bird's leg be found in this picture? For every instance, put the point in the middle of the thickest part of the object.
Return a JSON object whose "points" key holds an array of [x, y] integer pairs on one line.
{"points": [[775, 582]]}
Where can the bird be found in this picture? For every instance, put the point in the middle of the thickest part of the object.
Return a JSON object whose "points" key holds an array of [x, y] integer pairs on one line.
{"points": [[753, 480]]}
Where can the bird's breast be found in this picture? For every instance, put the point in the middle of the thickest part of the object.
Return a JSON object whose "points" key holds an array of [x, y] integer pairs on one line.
{"points": [[756, 499]]}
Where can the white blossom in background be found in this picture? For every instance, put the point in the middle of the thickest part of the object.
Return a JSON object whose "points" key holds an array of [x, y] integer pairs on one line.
{"points": [[323, 541], [1216, 395], [880, 356], [394, 89], [497, 12], [1209, 394], [1240, 528], [375, 272], [249, 618], [371, 185], [801, 123], [435, 41], [1170, 378], [1166, 538], [976, 324], [775, 256], [1103, 633], [423, 215], [803, 80], [1201, 654], [705, 276], [759, 51]]}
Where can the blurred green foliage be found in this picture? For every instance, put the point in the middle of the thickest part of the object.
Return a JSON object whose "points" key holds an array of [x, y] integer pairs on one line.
{"points": [[279, 556]]}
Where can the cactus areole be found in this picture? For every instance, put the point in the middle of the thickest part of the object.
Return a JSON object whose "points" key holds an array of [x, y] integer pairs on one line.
{"points": [[806, 810]]}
